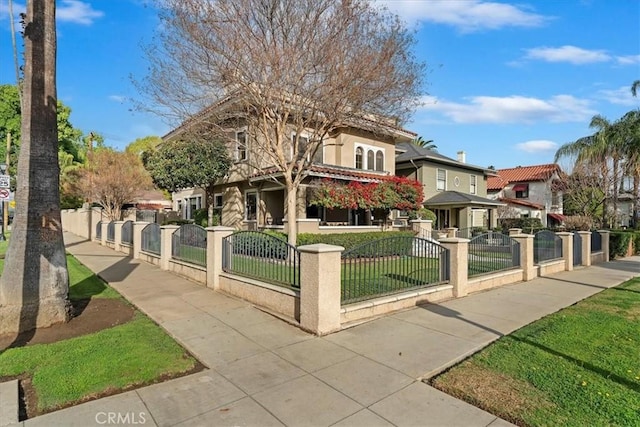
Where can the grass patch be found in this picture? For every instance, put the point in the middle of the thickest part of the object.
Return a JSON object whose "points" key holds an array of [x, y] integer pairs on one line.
{"points": [[192, 254], [576, 367], [77, 369]]}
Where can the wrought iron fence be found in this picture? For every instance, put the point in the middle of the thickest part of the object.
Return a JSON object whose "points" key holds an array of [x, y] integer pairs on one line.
{"points": [[492, 252], [126, 236], [391, 265], [546, 246], [596, 241], [263, 257], [99, 230], [111, 231], [150, 239], [471, 232], [189, 243]]}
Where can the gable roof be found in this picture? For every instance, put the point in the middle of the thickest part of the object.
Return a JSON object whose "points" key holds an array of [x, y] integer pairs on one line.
{"points": [[408, 152], [522, 174], [458, 198]]}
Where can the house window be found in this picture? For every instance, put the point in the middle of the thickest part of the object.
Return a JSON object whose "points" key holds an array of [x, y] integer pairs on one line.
{"points": [[521, 190], [441, 183], [555, 199], [241, 146], [374, 159], [303, 143], [359, 157], [217, 203], [192, 204], [473, 184], [379, 161], [251, 206]]}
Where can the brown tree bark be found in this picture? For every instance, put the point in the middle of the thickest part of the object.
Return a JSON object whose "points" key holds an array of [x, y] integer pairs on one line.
{"points": [[34, 286]]}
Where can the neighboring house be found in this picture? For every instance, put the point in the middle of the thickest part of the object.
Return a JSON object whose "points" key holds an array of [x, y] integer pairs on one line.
{"points": [[252, 195], [152, 200], [532, 192], [454, 190]]}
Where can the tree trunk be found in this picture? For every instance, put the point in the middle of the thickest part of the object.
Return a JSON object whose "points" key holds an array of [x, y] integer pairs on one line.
{"points": [[636, 189], [292, 213], [34, 286]]}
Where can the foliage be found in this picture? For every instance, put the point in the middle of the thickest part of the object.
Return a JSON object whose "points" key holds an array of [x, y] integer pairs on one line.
{"points": [[619, 242], [144, 147], [575, 367], [424, 143], [507, 212], [390, 193], [112, 180], [200, 217], [348, 240], [523, 223], [578, 222], [184, 163], [428, 214]]}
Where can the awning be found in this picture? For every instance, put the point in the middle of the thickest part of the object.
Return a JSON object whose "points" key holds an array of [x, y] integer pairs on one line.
{"points": [[557, 217], [521, 187]]}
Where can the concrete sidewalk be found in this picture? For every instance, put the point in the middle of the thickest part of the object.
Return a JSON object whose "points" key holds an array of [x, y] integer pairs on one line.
{"points": [[265, 372]]}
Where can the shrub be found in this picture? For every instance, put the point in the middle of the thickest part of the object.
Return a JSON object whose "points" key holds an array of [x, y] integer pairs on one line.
{"points": [[201, 217], [178, 221], [618, 244], [578, 222], [348, 240]]}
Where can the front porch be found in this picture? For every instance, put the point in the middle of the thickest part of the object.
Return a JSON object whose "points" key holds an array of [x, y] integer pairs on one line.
{"points": [[462, 211]]}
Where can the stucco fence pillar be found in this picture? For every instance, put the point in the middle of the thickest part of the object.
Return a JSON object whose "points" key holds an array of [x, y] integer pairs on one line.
{"points": [[451, 232], [103, 233], [138, 226], [117, 236], [458, 264], [320, 286], [585, 239], [526, 255], [567, 249], [215, 236], [605, 244], [166, 233], [515, 232]]}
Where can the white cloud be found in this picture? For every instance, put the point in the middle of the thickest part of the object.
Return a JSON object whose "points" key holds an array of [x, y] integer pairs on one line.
{"points": [[77, 12], [512, 109], [567, 53], [536, 146], [628, 59], [466, 16], [117, 98], [620, 96]]}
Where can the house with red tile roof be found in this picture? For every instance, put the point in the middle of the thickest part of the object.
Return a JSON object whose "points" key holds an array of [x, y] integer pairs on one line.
{"points": [[532, 191]]}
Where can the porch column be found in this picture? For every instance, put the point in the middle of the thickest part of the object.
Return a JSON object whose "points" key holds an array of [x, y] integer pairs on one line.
{"points": [[585, 238], [458, 264], [567, 249]]}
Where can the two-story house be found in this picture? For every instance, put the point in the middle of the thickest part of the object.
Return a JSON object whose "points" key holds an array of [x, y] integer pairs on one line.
{"points": [[532, 191], [454, 190], [253, 195]]}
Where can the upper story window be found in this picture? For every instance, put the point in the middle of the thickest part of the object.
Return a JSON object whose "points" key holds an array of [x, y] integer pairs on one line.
{"points": [[303, 143], [473, 184], [241, 152], [441, 180], [521, 190], [374, 159], [555, 198]]}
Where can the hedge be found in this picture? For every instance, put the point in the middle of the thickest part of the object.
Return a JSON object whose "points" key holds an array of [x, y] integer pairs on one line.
{"points": [[349, 240], [619, 243]]}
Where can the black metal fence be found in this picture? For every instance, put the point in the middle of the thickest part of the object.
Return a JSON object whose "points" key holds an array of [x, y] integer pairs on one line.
{"points": [[547, 246], [492, 252], [111, 231], [99, 230], [596, 241], [150, 239], [391, 265], [189, 244], [126, 236], [263, 257]]}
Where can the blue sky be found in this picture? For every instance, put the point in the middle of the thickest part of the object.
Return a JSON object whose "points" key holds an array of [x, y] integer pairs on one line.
{"points": [[508, 82]]}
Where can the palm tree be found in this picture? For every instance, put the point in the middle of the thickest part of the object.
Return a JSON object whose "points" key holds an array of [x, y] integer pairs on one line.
{"points": [[34, 286], [629, 126], [634, 88], [424, 143]]}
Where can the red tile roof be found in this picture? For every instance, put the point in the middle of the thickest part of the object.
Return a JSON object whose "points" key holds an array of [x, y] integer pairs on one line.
{"points": [[521, 202], [521, 174], [330, 171]]}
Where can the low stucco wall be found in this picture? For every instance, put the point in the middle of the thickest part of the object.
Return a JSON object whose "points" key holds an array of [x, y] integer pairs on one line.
{"points": [[494, 280], [126, 249], [376, 307], [190, 271], [150, 258], [277, 299], [551, 267], [597, 257], [110, 245]]}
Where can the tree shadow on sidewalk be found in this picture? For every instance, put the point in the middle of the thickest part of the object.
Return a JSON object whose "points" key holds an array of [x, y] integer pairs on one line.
{"points": [[447, 312], [119, 271]]}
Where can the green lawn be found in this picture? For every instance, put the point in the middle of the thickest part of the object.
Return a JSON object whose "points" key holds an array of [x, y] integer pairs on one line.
{"points": [[577, 367], [192, 254], [135, 353], [274, 271]]}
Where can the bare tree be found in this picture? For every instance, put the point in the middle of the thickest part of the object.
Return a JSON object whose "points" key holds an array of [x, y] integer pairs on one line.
{"points": [[113, 179], [34, 286], [507, 212], [282, 68]]}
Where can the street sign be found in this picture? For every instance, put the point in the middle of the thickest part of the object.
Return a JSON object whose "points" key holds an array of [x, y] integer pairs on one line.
{"points": [[5, 181], [4, 194]]}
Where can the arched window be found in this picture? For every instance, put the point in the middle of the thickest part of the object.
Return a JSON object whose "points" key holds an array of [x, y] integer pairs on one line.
{"points": [[370, 160], [359, 155], [379, 161]]}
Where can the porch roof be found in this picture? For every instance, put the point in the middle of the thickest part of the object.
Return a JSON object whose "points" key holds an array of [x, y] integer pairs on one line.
{"points": [[448, 198], [525, 203], [326, 171]]}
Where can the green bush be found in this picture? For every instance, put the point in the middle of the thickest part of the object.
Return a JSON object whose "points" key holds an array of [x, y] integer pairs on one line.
{"points": [[348, 240], [178, 221], [201, 217], [526, 224], [618, 244]]}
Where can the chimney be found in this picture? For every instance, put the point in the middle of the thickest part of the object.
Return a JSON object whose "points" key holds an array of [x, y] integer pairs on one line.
{"points": [[462, 157]]}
